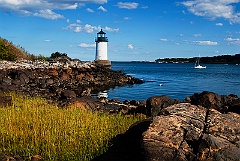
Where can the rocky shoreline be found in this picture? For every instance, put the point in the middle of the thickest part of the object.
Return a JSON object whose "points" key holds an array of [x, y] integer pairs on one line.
{"points": [[193, 130], [205, 126], [63, 81]]}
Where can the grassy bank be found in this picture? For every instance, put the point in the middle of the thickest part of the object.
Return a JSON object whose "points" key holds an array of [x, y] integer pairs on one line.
{"points": [[32, 126]]}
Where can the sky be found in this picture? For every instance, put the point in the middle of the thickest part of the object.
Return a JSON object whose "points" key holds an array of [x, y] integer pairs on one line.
{"points": [[137, 30]]}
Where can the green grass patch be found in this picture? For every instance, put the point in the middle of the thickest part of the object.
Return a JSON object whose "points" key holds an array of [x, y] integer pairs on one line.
{"points": [[32, 126]]}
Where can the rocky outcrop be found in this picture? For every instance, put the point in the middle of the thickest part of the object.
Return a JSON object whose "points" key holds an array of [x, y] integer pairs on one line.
{"points": [[180, 132], [222, 103], [151, 107], [109, 106], [221, 140], [157, 103], [185, 132], [175, 133], [60, 83]]}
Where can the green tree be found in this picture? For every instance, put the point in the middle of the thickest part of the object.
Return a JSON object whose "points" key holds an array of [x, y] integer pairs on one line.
{"points": [[5, 54], [57, 55]]}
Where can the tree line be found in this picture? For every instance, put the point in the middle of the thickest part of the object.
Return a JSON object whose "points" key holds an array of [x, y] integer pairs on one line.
{"points": [[10, 52], [221, 59]]}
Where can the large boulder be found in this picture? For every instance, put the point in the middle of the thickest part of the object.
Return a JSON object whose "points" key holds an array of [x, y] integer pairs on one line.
{"points": [[68, 94], [221, 139], [174, 135], [206, 99], [181, 132], [185, 132], [212, 100], [156, 103], [233, 103]]}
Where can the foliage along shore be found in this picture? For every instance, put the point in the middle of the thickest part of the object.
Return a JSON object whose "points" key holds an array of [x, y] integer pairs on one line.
{"points": [[221, 59], [11, 52]]}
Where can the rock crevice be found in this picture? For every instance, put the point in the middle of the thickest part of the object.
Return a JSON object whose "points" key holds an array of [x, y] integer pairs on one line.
{"points": [[190, 133]]}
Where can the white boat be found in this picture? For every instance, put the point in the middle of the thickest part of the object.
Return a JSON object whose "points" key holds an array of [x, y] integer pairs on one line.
{"points": [[198, 66]]}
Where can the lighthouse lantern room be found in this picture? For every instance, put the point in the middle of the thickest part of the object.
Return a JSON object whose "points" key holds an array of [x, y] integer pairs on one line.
{"points": [[101, 49]]}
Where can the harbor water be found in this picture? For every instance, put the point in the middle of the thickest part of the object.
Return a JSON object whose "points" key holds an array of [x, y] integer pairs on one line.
{"points": [[176, 80]]}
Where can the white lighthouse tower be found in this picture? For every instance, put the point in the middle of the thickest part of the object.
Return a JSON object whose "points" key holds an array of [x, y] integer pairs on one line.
{"points": [[101, 49]]}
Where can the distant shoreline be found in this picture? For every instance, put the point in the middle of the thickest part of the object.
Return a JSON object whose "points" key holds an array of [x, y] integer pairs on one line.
{"points": [[221, 59]]}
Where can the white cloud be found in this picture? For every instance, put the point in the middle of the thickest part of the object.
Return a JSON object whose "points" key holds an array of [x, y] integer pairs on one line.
{"points": [[163, 39], [210, 43], [79, 21], [214, 9], [111, 29], [197, 35], [84, 45], [88, 28], [127, 18], [46, 40], [127, 5], [89, 10], [130, 46], [43, 8], [219, 24], [102, 8], [232, 41], [48, 14], [74, 27]]}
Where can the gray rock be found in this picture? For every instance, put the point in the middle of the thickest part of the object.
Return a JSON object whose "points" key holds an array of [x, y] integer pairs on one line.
{"points": [[185, 132], [222, 137], [6, 80], [155, 104], [221, 103], [68, 94], [174, 135]]}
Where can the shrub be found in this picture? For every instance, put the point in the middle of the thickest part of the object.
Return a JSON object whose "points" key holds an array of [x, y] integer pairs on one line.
{"points": [[57, 55], [5, 54]]}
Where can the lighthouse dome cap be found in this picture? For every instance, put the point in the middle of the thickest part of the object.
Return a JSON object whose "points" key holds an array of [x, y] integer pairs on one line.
{"points": [[101, 32]]}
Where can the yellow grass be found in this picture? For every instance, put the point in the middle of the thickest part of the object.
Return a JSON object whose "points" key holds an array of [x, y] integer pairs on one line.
{"points": [[32, 126]]}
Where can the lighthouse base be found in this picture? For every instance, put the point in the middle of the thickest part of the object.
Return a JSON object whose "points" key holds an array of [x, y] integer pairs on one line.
{"points": [[104, 63]]}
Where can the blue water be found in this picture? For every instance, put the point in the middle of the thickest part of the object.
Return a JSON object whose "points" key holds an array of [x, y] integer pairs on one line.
{"points": [[176, 80]]}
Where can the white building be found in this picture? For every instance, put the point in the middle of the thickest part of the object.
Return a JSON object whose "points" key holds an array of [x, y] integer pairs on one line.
{"points": [[101, 49]]}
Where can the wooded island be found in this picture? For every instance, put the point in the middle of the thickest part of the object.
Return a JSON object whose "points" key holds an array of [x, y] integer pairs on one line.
{"points": [[221, 59]]}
